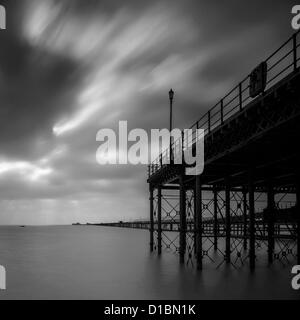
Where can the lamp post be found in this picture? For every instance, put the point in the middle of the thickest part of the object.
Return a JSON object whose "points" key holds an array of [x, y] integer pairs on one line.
{"points": [[171, 97]]}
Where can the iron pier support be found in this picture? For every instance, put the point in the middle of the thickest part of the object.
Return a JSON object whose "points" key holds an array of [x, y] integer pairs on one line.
{"points": [[198, 224], [151, 229], [270, 215], [182, 239], [215, 219], [159, 220], [251, 222], [298, 218], [227, 222], [245, 221]]}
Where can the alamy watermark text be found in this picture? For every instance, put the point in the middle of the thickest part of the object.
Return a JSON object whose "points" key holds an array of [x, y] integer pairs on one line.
{"points": [[136, 147], [2, 278], [2, 18]]}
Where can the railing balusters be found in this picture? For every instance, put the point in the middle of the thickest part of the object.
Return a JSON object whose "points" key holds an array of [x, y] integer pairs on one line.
{"points": [[207, 118]]}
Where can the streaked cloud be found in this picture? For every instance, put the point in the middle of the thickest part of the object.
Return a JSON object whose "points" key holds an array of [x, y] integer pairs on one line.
{"points": [[69, 68], [25, 170]]}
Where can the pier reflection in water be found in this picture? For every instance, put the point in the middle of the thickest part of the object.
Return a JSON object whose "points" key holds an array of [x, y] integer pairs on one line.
{"points": [[91, 262]]}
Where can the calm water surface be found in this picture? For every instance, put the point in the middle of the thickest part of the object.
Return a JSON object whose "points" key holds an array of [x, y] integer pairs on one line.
{"points": [[89, 262]]}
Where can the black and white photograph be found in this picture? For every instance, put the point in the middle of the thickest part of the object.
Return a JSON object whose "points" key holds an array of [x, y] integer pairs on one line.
{"points": [[149, 151]]}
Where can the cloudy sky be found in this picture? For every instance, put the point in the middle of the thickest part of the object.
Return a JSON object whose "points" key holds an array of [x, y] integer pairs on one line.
{"points": [[71, 67]]}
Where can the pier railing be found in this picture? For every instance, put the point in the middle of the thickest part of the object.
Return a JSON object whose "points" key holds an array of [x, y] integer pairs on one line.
{"points": [[279, 64]]}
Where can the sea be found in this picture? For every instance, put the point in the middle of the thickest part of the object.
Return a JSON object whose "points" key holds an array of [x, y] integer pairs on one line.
{"points": [[92, 262]]}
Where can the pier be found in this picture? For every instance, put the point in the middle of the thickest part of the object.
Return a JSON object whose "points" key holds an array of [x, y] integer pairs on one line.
{"points": [[244, 207]]}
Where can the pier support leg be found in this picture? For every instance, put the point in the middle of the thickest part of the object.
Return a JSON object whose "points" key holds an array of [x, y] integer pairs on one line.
{"points": [[198, 225], [228, 222], [159, 220], [215, 219], [270, 213], [151, 229], [245, 222], [182, 238], [298, 218], [195, 220], [251, 222]]}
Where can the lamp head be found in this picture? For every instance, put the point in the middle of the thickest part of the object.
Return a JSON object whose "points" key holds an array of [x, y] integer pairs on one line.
{"points": [[171, 94]]}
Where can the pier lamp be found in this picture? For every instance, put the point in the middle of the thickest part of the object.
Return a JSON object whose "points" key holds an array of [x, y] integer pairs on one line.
{"points": [[171, 97]]}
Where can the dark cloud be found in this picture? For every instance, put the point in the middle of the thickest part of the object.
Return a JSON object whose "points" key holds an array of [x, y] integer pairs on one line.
{"points": [[35, 87]]}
